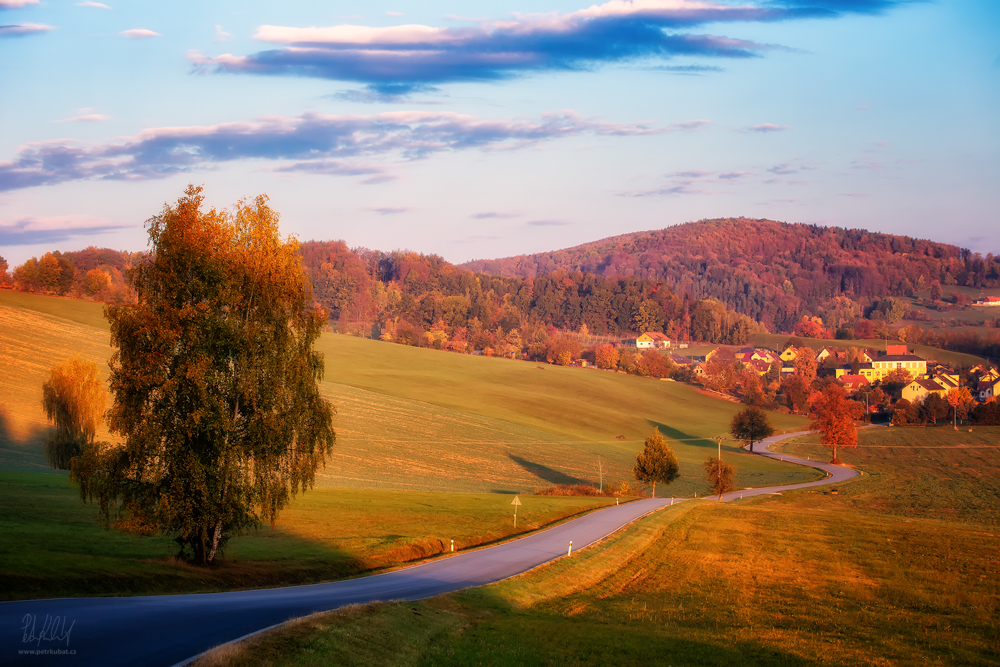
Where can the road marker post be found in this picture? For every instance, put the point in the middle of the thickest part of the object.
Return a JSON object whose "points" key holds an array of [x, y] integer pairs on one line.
{"points": [[453, 546], [516, 502], [569, 552]]}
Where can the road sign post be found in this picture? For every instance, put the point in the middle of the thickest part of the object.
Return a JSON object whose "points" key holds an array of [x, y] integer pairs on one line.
{"points": [[515, 503]]}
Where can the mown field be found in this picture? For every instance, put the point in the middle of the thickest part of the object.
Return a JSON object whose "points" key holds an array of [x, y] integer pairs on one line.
{"points": [[422, 420], [53, 546], [870, 572]]}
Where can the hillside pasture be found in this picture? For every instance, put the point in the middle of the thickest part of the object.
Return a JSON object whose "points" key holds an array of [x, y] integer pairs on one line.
{"points": [[418, 419]]}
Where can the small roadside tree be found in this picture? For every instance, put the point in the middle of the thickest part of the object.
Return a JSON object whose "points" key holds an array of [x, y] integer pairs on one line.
{"points": [[834, 417], [959, 398], [73, 399], [751, 425], [721, 475], [214, 381], [657, 462]]}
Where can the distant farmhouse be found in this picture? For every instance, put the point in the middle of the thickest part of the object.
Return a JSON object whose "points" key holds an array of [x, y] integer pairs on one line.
{"points": [[987, 301]]}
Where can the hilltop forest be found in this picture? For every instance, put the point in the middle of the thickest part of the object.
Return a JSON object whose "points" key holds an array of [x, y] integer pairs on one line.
{"points": [[773, 272]]}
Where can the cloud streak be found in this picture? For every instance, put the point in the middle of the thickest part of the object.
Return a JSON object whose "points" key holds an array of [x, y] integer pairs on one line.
{"points": [[24, 29], [617, 31], [312, 142], [31, 231], [139, 33], [17, 4]]}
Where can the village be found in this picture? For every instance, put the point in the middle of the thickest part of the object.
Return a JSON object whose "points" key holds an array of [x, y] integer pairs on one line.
{"points": [[895, 384]]}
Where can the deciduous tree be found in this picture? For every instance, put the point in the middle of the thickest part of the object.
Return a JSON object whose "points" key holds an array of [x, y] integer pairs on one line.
{"points": [[657, 462], [73, 399], [721, 475], [834, 417], [751, 425], [214, 381], [960, 399]]}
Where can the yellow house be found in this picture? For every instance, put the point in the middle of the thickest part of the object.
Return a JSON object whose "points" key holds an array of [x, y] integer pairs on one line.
{"points": [[788, 354], [887, 363], [644, 341], [920, 388]]}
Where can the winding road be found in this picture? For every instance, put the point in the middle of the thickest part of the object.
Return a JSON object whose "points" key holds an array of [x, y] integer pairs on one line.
{"points": [[171, 629]]}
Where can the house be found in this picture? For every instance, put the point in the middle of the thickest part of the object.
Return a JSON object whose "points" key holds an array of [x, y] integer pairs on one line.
{"points": [[759, 365], [987, 301], [649, 340], [680, 360], [699, 370], [644, 341], [988, 389], [788, 355], [921, 388], [853, 382], [711, 355], [887, 363], [947, 381], [825, 354], [896, 349]]}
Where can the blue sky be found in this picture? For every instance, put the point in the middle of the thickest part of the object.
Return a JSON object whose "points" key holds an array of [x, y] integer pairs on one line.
{"points": [[500, 129]]}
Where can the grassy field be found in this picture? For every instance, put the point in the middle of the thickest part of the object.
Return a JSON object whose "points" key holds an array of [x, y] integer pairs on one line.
{"points": [[866, 573], [53, 545], [422, 420]]}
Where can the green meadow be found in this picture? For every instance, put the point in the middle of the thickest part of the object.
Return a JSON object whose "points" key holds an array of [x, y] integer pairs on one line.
{"points": [[430, 447], [870, 572], [422, 420]]}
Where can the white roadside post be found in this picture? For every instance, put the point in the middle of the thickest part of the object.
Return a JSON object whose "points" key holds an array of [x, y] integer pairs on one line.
{"points": [[453, 545], [515, 503], [569, 552]]}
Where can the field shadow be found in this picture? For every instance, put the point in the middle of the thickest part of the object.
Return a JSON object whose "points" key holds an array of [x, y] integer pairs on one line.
{"points": [[544, 472], [21, 448], [687, 438]]}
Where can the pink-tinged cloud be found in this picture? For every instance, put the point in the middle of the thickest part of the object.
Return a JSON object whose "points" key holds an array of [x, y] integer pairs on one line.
{"points": [[17, 4], [31, 230], [317, 143], [766, 127], [873, 165], [389, 210], [734, 175], [24, 29], [497, 215], [692, 173], [691, 124], [95, 5], [86, 118], [139, 33]]}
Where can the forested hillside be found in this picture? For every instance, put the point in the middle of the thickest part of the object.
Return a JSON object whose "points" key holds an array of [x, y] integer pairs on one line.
{"points": [[774, 272]]}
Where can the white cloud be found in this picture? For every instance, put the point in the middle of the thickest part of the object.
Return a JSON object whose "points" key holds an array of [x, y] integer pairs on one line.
{"points": [[221, 35], [139, 33], [96, 5], [86, 118], [17, 4]]}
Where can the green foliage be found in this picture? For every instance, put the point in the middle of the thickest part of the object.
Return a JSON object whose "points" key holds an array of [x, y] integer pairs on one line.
{"points": [[657, 462], [751, 425], [73, 399], [215, 381]]}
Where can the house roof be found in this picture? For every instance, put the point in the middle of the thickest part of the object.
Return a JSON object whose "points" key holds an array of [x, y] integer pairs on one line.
{"points": [[853, 381], [900, 357], [929, 385]]}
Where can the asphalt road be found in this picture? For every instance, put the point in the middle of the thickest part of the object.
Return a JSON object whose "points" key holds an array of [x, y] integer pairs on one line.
{"points": [[170, 629]]}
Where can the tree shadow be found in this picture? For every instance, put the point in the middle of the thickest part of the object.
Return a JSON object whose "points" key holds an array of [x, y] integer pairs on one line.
{"points": [[544, 472], [687, 438]]}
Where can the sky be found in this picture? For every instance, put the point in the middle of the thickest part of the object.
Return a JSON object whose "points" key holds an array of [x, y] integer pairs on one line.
{"points": [[490, 129]]}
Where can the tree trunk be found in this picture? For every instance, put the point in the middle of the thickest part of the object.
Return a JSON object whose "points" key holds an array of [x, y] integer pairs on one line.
{"points": [[654, 489], [751, 446], [216, 534]]}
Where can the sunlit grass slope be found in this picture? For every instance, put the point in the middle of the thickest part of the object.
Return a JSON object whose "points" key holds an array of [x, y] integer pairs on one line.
{"points": [[420, 419], [860, 574], [53, 545]]}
